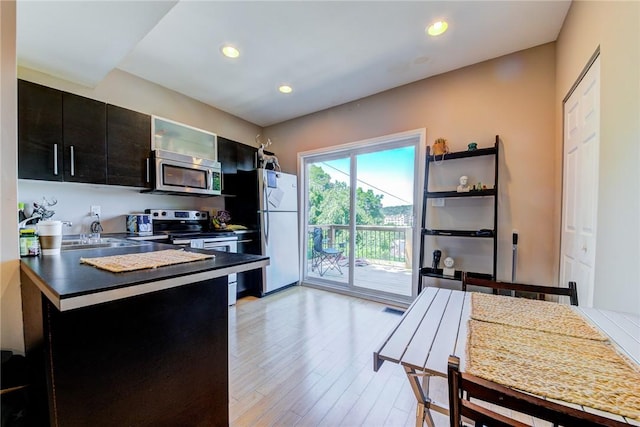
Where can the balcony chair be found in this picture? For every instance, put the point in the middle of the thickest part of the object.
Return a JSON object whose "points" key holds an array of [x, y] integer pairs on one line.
{"points": [[464, 387], [324, 259], [571, 291]]}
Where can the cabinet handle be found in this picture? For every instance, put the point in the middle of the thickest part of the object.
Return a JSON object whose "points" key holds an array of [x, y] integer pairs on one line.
{"points": [[73, 162], [221, 181], [55, 159], [148, 170]]}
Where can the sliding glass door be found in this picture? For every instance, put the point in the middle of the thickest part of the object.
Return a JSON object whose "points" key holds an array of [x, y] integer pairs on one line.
{"points": [[328, 218], [359, 217]]}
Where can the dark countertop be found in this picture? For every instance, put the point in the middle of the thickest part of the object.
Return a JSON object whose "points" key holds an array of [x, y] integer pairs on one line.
{"points": [[68, 284]]}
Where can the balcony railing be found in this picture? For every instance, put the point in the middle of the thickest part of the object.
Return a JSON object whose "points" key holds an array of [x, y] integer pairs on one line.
{"points": [[377, 244]]}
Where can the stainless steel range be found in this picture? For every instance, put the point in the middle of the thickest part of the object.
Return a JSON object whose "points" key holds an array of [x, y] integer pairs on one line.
{"points": [[193, 229]]}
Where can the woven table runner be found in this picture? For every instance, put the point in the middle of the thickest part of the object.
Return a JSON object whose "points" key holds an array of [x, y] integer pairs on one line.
{"points": [[141, 261], [576, 370], [532, 314]]}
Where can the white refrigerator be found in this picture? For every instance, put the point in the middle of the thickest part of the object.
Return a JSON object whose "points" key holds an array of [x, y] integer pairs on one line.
{"points": [[278, 214]]}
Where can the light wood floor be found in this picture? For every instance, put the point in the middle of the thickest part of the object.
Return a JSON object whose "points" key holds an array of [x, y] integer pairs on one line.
{"points": [[305, 357]]}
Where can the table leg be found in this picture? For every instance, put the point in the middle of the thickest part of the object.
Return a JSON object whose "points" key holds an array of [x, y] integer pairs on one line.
{"points": [[422, 411]]}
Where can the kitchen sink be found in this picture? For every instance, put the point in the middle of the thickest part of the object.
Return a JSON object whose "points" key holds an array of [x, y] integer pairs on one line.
{"points": [[105, 242]]}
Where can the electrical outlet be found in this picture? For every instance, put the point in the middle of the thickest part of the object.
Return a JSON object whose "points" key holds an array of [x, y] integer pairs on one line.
{"points": [[95, 210], [438, 203]]}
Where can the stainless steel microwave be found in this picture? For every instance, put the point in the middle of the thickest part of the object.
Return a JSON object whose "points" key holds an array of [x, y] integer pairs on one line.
{"points": [[179, 173]]}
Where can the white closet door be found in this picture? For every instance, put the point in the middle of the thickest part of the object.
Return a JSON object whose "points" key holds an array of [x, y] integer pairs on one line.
{"points": [[580, 185]]}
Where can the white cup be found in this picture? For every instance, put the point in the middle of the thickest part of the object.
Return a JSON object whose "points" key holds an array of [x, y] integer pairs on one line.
{"points": [[50, 234]]}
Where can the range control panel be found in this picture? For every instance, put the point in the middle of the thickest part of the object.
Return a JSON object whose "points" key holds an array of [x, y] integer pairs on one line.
{"points": [[177, 214]]}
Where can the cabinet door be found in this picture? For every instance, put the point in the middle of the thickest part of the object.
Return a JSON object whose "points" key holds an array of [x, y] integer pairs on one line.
{"points": [[249, 282], [83, 129], [128, 147], [227, 156], [39, 132], [246, 157]]}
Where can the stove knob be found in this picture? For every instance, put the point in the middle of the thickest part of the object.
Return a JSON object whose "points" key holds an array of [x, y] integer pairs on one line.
{"points": [[163, 213]]}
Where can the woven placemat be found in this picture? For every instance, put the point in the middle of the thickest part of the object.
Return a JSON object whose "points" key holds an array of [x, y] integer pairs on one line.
{"points": [[532, 314], [141, 261], [576, 370]]}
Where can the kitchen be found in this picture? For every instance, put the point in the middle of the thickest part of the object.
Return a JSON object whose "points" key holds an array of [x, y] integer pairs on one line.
{"points": [[123, 89], [73, 294], [182, 163]]}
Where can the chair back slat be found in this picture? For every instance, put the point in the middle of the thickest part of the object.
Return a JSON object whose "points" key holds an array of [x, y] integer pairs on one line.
{"points": [[571, 291]]}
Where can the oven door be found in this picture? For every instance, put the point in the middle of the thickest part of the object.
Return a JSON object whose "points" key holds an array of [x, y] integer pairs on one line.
{"points": [[226, 245], [216, 245]]}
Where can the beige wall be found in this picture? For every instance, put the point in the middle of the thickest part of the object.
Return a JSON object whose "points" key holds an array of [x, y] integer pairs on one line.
{"points": [[512, 96], [615, 27], [10, 308]]}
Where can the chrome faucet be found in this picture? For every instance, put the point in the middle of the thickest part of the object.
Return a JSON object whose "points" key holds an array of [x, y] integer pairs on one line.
{"points": [[23, 224]]}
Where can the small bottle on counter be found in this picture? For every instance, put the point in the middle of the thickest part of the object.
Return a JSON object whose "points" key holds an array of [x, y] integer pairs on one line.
{"points": [[21, 214], [29, 243]]}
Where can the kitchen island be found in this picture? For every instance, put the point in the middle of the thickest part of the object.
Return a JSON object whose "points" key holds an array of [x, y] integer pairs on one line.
{"points": [[147, 347]]}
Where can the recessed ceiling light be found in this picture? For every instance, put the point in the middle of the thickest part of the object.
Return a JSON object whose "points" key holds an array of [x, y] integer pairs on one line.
{"points": [[230, 51], [437, 28], [285, 89]]}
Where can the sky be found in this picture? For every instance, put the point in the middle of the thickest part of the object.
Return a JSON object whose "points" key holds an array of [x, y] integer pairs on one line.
{"points": [[388, 172]]}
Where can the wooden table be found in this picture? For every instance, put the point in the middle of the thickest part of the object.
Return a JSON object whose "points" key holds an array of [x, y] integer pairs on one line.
{"points": [[435, 326]]}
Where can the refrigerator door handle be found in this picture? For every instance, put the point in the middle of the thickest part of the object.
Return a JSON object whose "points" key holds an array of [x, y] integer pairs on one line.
{"points": [[266, 212]]}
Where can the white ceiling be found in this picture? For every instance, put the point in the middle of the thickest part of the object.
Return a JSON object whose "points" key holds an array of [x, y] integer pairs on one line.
{"points": [[330, 52]]}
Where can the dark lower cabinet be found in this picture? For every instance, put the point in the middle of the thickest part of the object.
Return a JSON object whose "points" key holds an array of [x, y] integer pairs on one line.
{"points": [[249, 282], [40, 143], [128, 147], [83, 130], [157, 359]]}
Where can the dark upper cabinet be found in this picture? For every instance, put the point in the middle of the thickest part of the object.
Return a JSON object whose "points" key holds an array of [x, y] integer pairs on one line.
{"points": [[84, 122], [39, 132], [66, 137], [234, 157], [61, 136], [247, 157], [227, 155], [128, 147]]}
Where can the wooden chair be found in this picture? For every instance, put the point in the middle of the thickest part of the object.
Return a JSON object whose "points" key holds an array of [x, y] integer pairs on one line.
{"points": [[571, 291], [464, 387]]}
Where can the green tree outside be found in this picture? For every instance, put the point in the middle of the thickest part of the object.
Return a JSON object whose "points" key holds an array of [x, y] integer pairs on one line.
{"points": [[329, 205]]}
